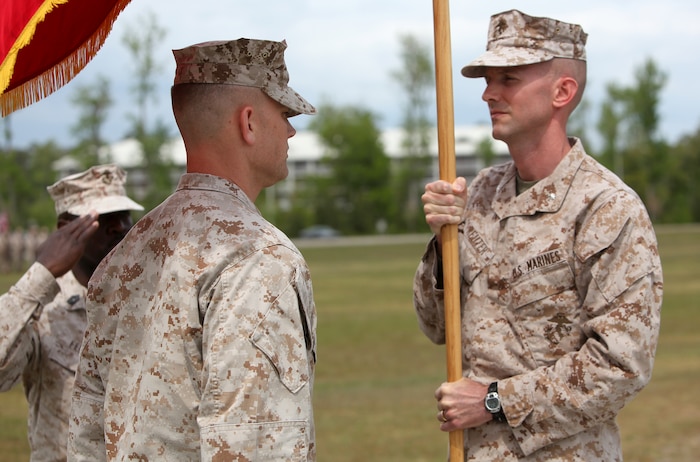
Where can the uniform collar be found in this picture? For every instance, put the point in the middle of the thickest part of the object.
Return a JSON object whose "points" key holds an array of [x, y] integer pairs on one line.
{"points": [[203, 181], [547, 195]]}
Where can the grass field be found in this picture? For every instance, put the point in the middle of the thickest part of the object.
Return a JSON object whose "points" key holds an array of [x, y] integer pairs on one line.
{"points": [[376, 372]]}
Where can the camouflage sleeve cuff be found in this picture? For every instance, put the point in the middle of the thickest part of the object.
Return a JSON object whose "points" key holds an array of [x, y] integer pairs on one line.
{"points": [[37, 284], [432, 263]]}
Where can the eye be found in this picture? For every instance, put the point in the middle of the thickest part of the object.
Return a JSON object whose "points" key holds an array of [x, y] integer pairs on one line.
{"points": [[509, 78]]}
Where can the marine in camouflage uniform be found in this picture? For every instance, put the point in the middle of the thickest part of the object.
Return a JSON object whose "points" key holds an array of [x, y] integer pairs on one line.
{"points": [[201, 338], [42, 317], [561, 289]]}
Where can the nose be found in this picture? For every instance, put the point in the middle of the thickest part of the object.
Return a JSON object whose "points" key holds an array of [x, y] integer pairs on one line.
{"points": [[291, 131], [120, 225], [489, 93]]}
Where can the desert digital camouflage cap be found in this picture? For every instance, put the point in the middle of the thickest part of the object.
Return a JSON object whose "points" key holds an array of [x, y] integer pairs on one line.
{"points": [[101, 188], [516, 39], [247, 62]]}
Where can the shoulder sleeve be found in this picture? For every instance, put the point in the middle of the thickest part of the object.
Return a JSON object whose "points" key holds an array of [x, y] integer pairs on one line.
{"points": [[428, 294], [619, 238], [260, 338]]}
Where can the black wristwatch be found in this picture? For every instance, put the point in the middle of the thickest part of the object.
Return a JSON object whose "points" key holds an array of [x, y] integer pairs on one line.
{"points": [[492, 402]]}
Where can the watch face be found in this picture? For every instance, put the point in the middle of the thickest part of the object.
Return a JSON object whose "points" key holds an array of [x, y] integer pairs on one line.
{"points": [[492, 402]]}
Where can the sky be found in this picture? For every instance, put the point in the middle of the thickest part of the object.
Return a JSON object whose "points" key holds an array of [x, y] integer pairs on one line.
{"points": [[344, 52]]}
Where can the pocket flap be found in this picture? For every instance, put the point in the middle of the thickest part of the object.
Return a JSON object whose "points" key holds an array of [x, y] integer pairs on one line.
{"points": [[542, 283], [280, 336]]}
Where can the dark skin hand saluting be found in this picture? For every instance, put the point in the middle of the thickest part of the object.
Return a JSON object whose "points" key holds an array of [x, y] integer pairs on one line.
{"points": [[64, 247]]}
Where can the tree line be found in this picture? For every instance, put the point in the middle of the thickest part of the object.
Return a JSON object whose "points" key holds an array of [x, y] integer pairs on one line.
{"points": [[360, 190]]}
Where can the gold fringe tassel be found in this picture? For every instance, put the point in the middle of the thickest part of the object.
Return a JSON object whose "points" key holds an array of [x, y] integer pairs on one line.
{"points": [[54, 78]]}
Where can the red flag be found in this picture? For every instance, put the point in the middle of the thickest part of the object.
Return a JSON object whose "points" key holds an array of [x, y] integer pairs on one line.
{"points": [[45, 43]]}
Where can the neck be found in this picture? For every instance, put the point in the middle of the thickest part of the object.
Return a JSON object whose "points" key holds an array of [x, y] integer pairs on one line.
{"points": [[82, 273], [538, 160], [223, 164]]}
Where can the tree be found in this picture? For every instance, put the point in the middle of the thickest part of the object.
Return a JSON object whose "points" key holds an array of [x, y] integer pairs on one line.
{"points": [[356, 195], [578, 122], [684, 203], [24, 176], [629, 124], [40, 173], [609, 127], [141, 42], [485, 151], [416, 78], [8, 172], [93, 102]]}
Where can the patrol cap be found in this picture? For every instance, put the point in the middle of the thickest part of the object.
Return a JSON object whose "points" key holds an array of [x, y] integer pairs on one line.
{"points": [[516, 39], [246, 62], [100, 188]]}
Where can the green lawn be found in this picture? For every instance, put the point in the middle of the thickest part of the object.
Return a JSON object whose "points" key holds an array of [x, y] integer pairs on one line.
{"points": [[377, 372]]}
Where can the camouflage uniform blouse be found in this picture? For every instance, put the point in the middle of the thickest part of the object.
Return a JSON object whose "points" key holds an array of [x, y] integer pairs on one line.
{"points": [[201, 339], [561, 297], [42, 320]]}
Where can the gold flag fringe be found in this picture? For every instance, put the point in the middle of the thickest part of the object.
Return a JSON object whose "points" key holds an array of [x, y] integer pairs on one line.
{"points": [[60, 74]]}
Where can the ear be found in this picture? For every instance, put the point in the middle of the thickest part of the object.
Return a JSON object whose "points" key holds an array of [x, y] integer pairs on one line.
{"points": [[565, 91], [247, 124]]}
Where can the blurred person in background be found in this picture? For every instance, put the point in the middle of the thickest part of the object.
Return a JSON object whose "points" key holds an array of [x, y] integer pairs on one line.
{"points": [[42, 316]]}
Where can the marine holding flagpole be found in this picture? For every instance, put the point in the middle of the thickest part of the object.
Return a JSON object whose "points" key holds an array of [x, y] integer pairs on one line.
{"points": [[561, 282]]}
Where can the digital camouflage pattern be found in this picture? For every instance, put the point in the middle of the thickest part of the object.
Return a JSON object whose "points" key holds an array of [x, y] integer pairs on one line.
{"points": [[100, 188], [41, 326], [561, 297], [245, 62], [517, 39], [201, 338]]}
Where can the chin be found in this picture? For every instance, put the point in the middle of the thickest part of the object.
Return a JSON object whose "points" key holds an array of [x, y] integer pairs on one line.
{"points": [[497, 135], [500, 132]]}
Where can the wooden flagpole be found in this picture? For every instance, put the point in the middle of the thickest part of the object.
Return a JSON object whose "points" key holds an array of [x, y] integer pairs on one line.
{"points": [[448, 234]]}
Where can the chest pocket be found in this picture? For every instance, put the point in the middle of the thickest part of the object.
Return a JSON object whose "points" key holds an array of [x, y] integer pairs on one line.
{"points": [[546, 310], [62, 337]]}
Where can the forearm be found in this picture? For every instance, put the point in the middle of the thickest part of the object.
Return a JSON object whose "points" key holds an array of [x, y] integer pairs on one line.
{"points": [[18, 308], [428, 294]]}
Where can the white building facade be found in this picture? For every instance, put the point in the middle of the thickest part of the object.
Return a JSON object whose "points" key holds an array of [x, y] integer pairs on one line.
{"points": [[305, 153]]}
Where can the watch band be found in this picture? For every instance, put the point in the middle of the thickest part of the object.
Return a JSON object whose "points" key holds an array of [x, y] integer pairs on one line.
{"points": [[498, 416]]}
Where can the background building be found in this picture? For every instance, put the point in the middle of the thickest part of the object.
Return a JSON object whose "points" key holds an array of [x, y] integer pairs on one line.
{"points": [[305, 153]]}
